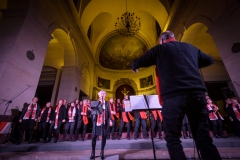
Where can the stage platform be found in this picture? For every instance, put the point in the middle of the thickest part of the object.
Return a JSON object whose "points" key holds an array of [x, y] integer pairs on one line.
{"points": [[115, 149]]}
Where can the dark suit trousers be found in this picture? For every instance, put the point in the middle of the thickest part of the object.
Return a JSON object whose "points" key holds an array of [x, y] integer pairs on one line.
{"points": [[194, 106]]}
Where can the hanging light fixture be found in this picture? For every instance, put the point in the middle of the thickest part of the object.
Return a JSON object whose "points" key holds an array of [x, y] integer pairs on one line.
{"points": [[128, 24]]}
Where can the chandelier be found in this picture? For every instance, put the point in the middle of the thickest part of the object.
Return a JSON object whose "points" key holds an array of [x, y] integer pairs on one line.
{"points": [[128, 24]]}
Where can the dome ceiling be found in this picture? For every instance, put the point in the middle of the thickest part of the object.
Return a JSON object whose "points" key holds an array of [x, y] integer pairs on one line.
{"points": [[98, 20], [118, 52]]}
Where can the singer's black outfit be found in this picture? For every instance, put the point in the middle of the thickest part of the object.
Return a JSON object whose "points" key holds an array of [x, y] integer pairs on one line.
{"points": [[43, 125], [79, 121], [61, 116], [236, 122], [183, 92], [137, 125], [100, 130], [30, 123], [113, 119], [69, 126]]}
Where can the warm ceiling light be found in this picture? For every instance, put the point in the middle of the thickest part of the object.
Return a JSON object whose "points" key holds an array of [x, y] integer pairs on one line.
{"points": [[128, 25]]}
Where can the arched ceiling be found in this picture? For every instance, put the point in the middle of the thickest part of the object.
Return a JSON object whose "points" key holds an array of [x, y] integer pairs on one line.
{"points": [[197, 35], [61, 39], [99, 18]]}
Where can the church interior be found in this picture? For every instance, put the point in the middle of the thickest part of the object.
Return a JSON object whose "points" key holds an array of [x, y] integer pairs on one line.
{"points": [[70, 49]]}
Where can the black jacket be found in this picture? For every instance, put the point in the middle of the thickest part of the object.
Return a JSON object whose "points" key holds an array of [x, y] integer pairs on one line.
{"points": [[178, 66]]}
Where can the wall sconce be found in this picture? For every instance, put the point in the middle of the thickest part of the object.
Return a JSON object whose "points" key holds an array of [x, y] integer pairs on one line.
{"points": [[30, 55], [236, 47]]}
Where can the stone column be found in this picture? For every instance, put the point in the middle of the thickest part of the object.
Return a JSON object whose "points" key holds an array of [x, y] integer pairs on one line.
{"points": [[226, 32], [20, 32], [69, 81]]}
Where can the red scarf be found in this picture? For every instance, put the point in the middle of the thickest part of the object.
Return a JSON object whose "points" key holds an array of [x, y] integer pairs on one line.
{"points": [[102, 117], [85, 119], [169, 40], [29, 110], [124, 116], [48, 115], [56, 118], [155, 112], [112, 108], [143, 114], [158, 84], [236, 111], [71, 113]]}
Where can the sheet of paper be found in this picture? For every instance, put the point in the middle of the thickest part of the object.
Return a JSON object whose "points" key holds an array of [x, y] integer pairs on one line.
{"points": [[138, 102], [153, 102], [128, 107]]}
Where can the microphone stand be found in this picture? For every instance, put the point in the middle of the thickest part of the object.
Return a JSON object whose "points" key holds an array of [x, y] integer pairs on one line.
{"points": [[10, 101], [102, 125], [153, 146]]}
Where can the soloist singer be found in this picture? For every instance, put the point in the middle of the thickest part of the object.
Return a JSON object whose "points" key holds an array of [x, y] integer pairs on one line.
{"points": [[100, 124]]}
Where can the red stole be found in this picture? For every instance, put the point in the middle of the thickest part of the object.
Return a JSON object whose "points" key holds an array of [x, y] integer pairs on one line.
{"points": [[71, 113], [158, 84], [143, 114], [112, 108], [155, 112], [235, 109], [48, 115], [29, 110], [84, 110], [56, 118]]}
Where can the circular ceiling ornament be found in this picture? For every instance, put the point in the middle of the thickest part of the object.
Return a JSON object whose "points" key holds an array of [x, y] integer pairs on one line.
{"points": [[236, 47], [30, 55]]}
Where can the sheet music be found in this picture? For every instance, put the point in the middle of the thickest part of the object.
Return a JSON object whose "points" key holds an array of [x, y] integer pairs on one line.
{"points": [[153, 102], [138, 102], [128, 107]]}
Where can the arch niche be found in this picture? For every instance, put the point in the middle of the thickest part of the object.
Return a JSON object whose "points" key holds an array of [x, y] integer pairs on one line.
{"points": [[123, 90]]}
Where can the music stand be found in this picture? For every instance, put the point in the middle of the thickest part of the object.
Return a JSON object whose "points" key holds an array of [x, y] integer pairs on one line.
{"points": [[142, 102], [95, 107]]}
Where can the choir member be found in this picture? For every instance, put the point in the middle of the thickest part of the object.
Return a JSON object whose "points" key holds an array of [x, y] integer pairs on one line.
{"points": [[156, 119], [43, 122], [28, 119], [100, 123]]}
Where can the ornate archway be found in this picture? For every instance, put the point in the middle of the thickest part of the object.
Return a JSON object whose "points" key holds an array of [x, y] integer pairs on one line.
{"points": [[123, 90], [129, 84]]}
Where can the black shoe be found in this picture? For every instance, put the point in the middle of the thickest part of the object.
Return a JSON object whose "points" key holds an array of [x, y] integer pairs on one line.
{"points": [[92, 157], [128, 138], [160, 137], [184, 136], [102, 155], [119, 137], [216, 136], [135, 138]]}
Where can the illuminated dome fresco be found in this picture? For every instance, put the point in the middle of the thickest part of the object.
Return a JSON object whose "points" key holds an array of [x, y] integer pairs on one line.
{"points": [[112, 51], [118, 52]]}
